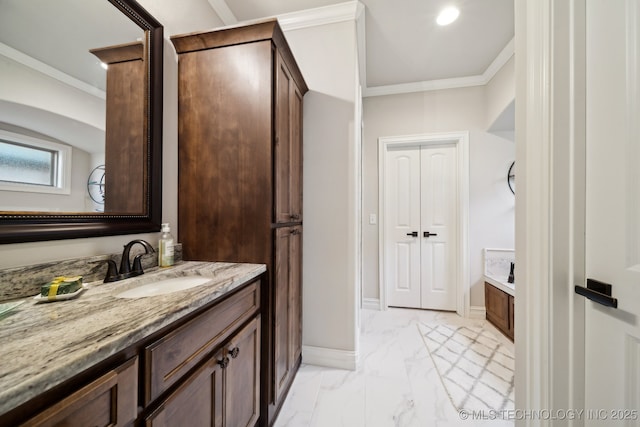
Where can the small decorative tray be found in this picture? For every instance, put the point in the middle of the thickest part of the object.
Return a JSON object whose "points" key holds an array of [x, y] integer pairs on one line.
{"points": [[6, 307], [60, 297]]}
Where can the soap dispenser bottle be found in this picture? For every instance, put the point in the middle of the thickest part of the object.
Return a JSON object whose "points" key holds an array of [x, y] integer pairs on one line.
{"points": [[165, 247]]}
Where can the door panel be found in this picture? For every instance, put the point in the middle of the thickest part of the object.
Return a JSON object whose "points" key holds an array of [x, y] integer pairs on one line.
{"points": [[295, 173], [402, 217], [242, 378], [283, 142], [295, 294], [612, 336], [288, 306], [197, 402], [281, 339], [439, 202]]}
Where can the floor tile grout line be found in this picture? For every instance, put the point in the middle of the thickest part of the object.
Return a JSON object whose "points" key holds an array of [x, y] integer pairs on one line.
{"points": [[444, 387]]}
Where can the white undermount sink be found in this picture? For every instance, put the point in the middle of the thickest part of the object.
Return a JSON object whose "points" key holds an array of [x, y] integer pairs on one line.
{"points": [[164, 286]]}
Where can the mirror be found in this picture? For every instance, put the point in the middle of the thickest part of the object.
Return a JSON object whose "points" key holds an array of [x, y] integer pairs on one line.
{"points": [[511, 177], [80, 120]]}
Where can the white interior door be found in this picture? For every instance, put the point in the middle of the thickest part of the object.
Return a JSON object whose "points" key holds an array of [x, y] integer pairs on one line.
{"points": [[402, 219], [420, 223], [438, 231], [612, 336]]}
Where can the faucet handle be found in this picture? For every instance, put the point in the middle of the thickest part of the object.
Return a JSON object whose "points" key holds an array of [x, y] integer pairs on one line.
{"points": [[112, 270], [137, 264]]}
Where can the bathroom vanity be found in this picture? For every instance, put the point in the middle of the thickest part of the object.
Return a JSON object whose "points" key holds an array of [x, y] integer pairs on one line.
{"points": [[500, 308], [499, 294], [182, 358]]}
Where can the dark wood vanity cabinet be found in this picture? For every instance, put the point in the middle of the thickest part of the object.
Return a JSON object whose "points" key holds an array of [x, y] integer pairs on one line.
{"points": [[224, 391], [500, 309], [201, 371], [111, 399], [240, 100]]}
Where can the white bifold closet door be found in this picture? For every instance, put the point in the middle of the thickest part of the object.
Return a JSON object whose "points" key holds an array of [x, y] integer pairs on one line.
{"points": [[420, 212]]}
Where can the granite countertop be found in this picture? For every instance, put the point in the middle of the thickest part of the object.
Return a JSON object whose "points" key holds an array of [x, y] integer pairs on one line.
{"points": [[501, 283], [45, 344]]}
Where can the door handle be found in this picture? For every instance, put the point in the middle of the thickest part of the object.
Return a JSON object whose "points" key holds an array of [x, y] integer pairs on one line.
{"points": [[427, 234], [413, 234], [599, 292]]}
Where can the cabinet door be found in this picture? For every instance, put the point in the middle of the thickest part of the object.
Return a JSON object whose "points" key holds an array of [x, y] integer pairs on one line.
{"points": [[225, 153], [295, 294], [111, 400], [197, 402], [295, 174], [288, 146], [242, 377], [287, 306], [497, 304], [511, 317]]}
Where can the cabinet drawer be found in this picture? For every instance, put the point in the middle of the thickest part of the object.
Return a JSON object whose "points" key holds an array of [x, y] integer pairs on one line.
{"points": [[111, 400], [170, 358]]}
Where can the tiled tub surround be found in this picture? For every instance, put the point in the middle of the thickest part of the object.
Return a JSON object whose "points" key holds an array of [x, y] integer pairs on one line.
{"points": [[46, 344], [497, 263], [20, 282]]}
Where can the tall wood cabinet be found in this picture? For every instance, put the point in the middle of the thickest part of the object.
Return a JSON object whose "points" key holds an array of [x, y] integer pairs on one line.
{"points": [[240, 99], [126, 132]]}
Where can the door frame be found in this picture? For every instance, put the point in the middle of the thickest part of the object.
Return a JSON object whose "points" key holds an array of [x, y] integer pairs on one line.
{"points": [[461, 141], [550, 206]]}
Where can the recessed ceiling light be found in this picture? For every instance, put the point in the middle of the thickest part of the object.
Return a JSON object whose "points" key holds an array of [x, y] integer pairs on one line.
{"points": [[448, 15]]}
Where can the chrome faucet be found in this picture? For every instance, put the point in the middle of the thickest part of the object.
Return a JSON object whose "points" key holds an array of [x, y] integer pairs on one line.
{"points": [[126, 270]]}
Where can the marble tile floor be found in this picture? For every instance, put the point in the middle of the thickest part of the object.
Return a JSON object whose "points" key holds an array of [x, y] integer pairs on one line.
{"points": [[396, 383]]}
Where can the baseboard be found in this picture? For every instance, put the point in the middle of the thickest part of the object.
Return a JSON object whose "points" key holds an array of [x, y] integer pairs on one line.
{"points": [[477, 312], [371, 303], [329, 357]]}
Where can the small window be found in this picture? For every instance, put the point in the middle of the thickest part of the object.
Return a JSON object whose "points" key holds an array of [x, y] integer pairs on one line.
{"points": [[33, 165]]}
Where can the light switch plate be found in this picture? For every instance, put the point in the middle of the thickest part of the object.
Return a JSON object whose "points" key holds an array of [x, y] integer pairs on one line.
{"points": [[372, 219]]}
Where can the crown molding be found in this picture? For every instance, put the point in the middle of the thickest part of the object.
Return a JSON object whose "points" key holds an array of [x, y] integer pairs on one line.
{"points": [[341, 12], [424, 86], [460, 82], [49, 71], [503, 57]]}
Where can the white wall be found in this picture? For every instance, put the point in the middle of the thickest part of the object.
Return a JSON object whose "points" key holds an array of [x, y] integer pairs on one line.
{"points": [[500, 93], [491, 204], [327, 58], [34, 89]]}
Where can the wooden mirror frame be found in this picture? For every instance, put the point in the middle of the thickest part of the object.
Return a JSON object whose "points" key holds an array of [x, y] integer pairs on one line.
{"points": [[20, 227]]}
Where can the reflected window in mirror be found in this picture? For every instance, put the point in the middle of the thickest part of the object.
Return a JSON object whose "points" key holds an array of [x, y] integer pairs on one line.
{"points": [[33, 165]]}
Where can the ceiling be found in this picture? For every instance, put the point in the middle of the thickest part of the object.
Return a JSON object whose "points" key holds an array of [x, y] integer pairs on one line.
{"points": [[404, 45], [405, 50], [73, 27]]}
